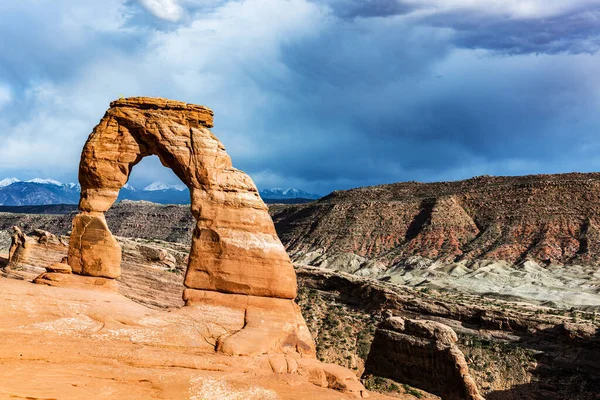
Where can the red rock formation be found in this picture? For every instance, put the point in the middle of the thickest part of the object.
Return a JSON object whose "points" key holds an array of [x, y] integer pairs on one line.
{"points": [[235, 248], [18, 246], [39, 248], [545, 218], [236, 260], [423, 354], [79, 343]]}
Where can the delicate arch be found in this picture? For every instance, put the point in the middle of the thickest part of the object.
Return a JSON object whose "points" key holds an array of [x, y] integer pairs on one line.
{"points": [[234, 249]]}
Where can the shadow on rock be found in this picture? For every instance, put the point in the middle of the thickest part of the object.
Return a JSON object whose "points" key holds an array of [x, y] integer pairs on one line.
{"points": [[568, 365]]}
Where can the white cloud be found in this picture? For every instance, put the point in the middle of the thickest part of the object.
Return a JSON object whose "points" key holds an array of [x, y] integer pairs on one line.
{"points": [[168, 10], [215, 60], [5, 95], [511, 8]]}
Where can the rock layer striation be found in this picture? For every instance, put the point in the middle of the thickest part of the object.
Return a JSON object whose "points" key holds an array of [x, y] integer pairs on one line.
{"points": [[550, 219]]}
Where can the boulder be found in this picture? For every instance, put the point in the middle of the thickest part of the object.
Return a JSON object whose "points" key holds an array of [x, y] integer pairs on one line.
{"points": [[60, 268], [156, 254], [58, 279], [93, 251]]}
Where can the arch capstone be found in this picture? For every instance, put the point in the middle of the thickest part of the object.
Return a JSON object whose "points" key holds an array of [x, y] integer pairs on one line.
{"points": [[234, 248]]}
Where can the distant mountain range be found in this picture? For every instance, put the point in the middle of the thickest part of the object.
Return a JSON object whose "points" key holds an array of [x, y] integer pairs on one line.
{"points": [[289, 193], [14, 192]]}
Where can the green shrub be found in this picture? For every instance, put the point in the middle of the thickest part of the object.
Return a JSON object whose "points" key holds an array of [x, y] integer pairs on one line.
{"points": [[412, 391]]}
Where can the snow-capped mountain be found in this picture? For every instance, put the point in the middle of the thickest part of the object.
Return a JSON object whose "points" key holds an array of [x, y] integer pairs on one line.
{"points": [[289, 193], [8, 181], [45, 181], [38, 191], [158, 185]]}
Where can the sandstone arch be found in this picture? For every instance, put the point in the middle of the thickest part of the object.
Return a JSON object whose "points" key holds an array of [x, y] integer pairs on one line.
{"points": [[240, 284], [235, 248]]}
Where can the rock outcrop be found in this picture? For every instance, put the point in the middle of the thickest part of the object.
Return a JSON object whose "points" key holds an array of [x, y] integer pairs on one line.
{"points": [[268, 333], [423, 354], [80, 343], [36, 248], [236, 265], [18, 246]]}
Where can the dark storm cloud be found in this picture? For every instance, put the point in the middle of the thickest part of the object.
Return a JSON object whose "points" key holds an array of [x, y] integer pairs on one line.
{"points": [[320, 95], [575, 32], [367, 8], [575, 29]]}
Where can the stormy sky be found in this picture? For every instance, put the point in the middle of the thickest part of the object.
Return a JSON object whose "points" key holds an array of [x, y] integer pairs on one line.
{"points": [[314, 94]]}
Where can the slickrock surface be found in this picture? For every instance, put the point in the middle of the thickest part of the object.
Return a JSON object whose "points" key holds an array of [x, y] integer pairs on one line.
{"points": [[423, 353], [514, 350], [534, 237], [152, 271], [169, 346], [70, 343]]}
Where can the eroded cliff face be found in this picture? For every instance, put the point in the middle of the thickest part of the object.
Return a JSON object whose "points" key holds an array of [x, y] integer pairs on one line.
{"points": [[475, 235], [514, 350], [423, 353], [546, 218]]}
